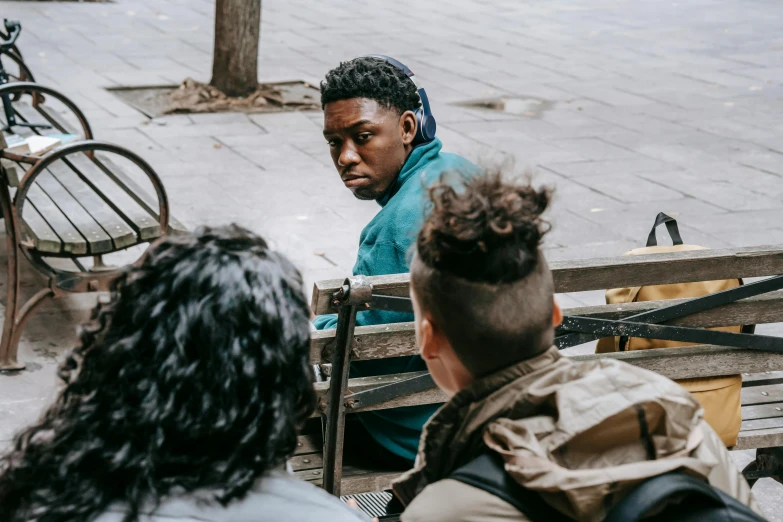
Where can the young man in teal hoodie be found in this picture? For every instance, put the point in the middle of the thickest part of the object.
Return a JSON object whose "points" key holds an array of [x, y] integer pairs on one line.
{"points": [[370, 122]]}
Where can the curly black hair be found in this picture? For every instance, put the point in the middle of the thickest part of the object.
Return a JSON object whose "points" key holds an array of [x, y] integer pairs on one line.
{"points": [[194, 376], [371, 78]]}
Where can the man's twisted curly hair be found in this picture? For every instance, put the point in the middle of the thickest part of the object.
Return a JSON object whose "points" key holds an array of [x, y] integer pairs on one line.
{"points": [[371, 78], [193, 377]]}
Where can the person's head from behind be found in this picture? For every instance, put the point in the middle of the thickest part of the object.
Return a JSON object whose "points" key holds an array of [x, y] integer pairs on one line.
{"points": [[194, 376], [369, 123], [482, 292]]}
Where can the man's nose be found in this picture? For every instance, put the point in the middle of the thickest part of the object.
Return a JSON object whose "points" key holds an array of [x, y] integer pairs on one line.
{"points": [[348, 155]]}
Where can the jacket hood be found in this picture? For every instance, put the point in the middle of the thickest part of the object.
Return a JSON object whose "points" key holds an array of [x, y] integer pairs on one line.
{"points": [[577, 432]]}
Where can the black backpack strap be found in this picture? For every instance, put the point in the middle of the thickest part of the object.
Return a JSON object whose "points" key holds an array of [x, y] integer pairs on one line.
{"points": [[488, 473], [671, 226], [658, 490]]}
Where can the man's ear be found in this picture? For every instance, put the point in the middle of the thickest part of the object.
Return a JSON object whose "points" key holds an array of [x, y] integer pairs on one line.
{"points": [[557, 315], [408, 126], [428, 344]]}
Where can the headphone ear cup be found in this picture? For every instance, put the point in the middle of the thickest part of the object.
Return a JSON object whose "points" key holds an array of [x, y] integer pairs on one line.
{"points": [[420, 127], [428, 126]]}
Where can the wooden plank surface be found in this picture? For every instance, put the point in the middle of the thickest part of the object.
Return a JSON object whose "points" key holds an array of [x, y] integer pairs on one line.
{"points": [[394, 340], [28, 113], [121, 233], [675, 363], [39, 232], [762, 394], [613, 272], [53, 117], [145, 224], [307, 461], [308, 444], [98, 241], [71, 240], [355, 480], [762, 411], [141, 196], [763, 438]]}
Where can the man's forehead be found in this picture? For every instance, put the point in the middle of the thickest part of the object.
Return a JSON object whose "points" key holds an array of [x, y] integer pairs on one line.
{"points": [[353, 112]]}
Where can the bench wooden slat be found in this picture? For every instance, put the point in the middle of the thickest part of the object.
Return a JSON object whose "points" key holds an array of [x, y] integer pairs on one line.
{"points": [[763, 411], [57, 120], [29, 114], [38, 230], [675, 363], [64, 264], [71, 240], [146, 225], [394, 340], [763, 438], [613, 272], [141, 196], [307, 461], [355, 480], [762, 424], [98, 241], [114, 225], [762, 394], [308, 443]]}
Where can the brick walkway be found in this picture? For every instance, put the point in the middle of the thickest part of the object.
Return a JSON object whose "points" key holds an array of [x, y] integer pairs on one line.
{"points": [[655, 106]]}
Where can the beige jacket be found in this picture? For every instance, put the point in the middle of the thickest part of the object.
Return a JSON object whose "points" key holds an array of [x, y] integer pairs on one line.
{"points": [[581, 433]]}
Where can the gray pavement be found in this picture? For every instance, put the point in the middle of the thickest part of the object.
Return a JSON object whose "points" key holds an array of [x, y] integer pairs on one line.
{"points": [[655, 106]]}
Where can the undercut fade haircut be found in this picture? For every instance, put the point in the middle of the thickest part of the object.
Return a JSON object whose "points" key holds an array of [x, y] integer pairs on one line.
{"points": [[479, 270], [194, 376], [374, 79]]}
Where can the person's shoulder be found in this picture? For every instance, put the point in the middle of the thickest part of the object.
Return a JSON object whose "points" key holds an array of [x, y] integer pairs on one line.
{"points": [[276, 496], [450, 162], [280, 494], [454, 501]]}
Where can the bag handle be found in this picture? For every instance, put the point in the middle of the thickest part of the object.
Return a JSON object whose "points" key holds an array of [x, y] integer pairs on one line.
{"points": [[671, 226], [652, 492]]}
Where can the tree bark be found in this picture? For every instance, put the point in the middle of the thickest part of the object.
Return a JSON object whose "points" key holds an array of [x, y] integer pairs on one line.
{"points": [[235, 61]]}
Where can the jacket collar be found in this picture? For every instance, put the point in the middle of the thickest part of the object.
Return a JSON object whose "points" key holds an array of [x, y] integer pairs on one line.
{"points": [[418, 158], [459, 424]]}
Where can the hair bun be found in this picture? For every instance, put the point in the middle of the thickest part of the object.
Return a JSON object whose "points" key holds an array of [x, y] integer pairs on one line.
{"points": [[484, 228]]}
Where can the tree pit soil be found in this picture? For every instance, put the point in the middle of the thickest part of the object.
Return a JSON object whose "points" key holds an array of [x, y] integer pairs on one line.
{"points": [[193, 97]]}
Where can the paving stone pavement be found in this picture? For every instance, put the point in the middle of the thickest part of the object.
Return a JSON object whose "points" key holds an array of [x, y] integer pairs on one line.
{"points": [[651, 106]]}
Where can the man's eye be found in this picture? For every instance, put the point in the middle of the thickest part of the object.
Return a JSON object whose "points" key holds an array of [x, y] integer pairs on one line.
{"points": [[332, 143], [364, 136]]}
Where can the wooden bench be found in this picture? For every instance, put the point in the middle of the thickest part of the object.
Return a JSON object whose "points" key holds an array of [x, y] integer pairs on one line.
{"points": [[762, 393], [70, 208]]}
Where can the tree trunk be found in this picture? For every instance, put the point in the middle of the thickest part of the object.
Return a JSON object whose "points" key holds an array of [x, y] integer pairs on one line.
{"points": [[235, 62]]}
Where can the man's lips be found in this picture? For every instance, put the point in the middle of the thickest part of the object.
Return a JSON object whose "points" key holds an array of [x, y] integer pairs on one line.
{"points": [[352, 180]]}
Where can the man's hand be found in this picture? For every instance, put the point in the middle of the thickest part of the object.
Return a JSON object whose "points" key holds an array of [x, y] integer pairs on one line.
{"points": [[351, 502]]}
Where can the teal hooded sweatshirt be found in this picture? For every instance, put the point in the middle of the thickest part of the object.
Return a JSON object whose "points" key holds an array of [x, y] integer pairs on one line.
{"points": [[384, 247]]}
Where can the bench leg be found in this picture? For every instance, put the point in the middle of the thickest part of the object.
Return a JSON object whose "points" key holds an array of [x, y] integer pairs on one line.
{"points": [[768, 464], [335, 415], [8, 360]]}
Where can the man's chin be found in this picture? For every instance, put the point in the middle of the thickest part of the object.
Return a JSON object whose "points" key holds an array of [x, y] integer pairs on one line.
{"points": [[366, 194]]}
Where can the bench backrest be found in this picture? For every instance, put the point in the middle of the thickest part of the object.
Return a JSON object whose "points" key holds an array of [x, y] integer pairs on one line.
{"points": [[385, 341]]}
